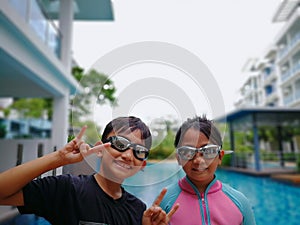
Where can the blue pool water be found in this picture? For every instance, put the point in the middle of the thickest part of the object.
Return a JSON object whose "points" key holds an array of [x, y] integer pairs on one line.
{"points": [[274, 203]]}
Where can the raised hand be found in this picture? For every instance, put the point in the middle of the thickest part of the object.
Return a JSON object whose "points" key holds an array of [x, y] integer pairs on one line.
{"points": [[155, 215], [70, 152]]}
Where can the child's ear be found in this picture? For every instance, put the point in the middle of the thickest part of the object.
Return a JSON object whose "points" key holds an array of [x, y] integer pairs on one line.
{"points": [[143, 165], [221, 155]]}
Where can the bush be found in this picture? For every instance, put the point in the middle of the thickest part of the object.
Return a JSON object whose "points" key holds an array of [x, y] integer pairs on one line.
{"points": [[289, 156], [268, 156], [165, 149], [298, 165], [226, 161], [2, 131]]}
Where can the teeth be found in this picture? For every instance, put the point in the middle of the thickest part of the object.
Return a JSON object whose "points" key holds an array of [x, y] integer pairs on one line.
{"points": [[124, 165]]}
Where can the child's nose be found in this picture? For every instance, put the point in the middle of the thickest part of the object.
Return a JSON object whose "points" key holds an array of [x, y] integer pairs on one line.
{"points": [[128, 154], [198, 157]]}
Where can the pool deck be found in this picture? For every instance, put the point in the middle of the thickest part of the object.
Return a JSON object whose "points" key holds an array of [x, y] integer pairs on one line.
{"points": [[287, 178], [286, 175]]}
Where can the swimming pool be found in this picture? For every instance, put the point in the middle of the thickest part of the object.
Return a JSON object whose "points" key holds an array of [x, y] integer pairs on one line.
{"points": [[273, 202]]}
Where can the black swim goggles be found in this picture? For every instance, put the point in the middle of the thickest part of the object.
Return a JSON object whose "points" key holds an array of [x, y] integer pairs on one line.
{"points": [[207, 152], [122, 144]]}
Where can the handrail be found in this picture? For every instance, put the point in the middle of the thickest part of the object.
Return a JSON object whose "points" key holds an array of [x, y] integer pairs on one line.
{"points": [[37, 18]]}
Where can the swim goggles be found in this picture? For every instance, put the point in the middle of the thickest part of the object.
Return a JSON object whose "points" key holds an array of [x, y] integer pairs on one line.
{"points": [[122, 144], [207, 152]]}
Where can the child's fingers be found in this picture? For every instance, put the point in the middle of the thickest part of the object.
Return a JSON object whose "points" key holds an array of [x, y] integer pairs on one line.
{"points": [[81, 133], [99, 143], [84, 148], [160, 197], [172, 211], [98, 148], [153, 210]]}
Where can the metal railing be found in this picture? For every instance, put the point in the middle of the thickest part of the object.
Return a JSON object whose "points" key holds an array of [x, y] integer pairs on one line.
{"points": [[274, 159], [32, 12]]}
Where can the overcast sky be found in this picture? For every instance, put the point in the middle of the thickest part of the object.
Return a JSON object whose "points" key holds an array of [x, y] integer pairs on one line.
{"points": [[223, 34]]}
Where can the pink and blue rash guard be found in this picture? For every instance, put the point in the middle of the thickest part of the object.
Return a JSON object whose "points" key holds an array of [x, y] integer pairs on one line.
{"points": [[219, 205]]}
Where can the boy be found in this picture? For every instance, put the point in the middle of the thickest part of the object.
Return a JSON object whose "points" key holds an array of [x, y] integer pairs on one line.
{"points": [[87, 199], [204, 199]]}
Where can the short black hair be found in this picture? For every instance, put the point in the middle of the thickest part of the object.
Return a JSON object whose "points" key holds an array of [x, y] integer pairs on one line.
{"points": [[202, 124], [131, 123]]}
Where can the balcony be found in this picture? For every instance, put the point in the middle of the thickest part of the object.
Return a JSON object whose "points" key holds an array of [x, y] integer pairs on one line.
{"points": [[31, 12], [285, 76], [287, 100], [285, 51], [271, 97], [290, 72], [269, 78]]}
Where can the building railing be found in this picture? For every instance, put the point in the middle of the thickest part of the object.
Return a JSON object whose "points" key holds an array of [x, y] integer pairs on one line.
{"points": [[274, 159], [297, 94], [295, 69], [291, 45], [288, 99], [269, 77], [286, 75], [42, 25]]}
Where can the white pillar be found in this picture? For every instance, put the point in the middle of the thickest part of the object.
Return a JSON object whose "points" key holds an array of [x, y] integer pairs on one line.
{"points": [[60, 122], [66, 15]]}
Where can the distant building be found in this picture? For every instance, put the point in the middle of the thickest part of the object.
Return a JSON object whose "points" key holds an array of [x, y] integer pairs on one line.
{"points": [[26, 128], [273, 80]]}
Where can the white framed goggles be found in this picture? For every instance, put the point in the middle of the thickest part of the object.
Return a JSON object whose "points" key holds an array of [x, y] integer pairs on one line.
{"points": [[122, 144], [207, 152]]}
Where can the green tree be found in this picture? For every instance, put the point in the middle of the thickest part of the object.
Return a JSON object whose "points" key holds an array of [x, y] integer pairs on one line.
{"points": [[29, 107], [165, 149], [95, 85], [163, 127], [98, 88], [92, 134]]}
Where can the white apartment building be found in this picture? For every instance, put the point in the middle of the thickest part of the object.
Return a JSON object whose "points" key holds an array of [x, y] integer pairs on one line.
{"points": [[274, 79], [36, 60]]}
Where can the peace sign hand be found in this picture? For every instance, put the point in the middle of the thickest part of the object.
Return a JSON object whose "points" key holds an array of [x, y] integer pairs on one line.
{"points": [[155, 215], [70, 152]]}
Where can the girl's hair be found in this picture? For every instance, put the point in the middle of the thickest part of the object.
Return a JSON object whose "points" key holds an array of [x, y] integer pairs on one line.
{"points": [[201, 124], [128, 124]]}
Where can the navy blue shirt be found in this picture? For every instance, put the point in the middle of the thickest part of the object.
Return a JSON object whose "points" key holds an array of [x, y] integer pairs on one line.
{"points": [[79, 200]]}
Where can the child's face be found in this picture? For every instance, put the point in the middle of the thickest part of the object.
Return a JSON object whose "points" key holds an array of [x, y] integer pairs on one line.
{"points": [[199, 170], [116, 165]]}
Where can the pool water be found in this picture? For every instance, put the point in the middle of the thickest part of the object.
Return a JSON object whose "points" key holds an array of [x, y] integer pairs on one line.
{"points": [[273, 202]]}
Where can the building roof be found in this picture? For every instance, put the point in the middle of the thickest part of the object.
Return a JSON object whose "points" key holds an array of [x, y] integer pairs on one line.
{"points": [[285, 10], [91, 10], [263, 115]]}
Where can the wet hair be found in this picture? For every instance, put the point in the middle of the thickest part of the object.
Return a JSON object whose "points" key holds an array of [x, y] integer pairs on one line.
{"points": [[201, 124], [128, 124]]}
